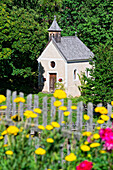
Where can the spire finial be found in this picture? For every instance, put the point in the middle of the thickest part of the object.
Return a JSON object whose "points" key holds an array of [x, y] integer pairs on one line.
{"points": [[54, 17]]}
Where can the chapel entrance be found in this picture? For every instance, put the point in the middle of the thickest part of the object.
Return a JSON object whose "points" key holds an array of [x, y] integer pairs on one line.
{"points": [[52, 81]]}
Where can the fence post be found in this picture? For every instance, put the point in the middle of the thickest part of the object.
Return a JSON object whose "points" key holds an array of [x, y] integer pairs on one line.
{"points": [[36, 105], [8, 103], [109, 108], [60, 113], [79, 116], [29, 104], [14, 103], [53, 108], [21, 105], [44, 111], [90, 121], [70, 115]]}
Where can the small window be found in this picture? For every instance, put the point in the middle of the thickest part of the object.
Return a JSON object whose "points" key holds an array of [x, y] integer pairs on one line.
{"points": [[75, 74], [52, 64]]}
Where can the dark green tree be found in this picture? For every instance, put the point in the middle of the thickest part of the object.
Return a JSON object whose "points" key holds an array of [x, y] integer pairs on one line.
{"points": [[98, 88], [93, 20], [22, 39]]}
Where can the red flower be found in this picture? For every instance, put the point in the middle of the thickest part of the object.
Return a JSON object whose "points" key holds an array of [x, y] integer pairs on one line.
{"points": [[85, 165], [60, 80]]}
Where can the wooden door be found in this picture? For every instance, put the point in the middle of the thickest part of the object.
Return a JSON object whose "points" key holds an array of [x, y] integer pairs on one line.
{"points": [[52, 81]]}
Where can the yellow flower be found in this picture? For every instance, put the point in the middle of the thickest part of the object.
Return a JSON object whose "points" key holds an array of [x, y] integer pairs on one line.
{"points": [[93, 145], [86, 117], [57, 103], [85, 148], [97, 109], [55, 124], [98, 128], [100, 121], [2, 98], [4, 132], [63, 122], [66, 113], [19, 99], [73, 107], [50, 140], [29, 113], [70, 157], [12, 130], [37, 110], [104, 117], [49, 127], [27, 136], [33, 115], [41, 127], [3, 107], [102, 151], [9, 152], [111, 115], [60, 94], [101, 110], [86, 142], [1, 137], [5, 145], [112, 103], [49, 169], [86, 133], [96, 136], [63, 108], [89, 155], [40, 151]]}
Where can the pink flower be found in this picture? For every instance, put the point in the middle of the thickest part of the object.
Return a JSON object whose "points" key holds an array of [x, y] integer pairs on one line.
{"points": [[107, 136], [85, 165], [105, 133]]}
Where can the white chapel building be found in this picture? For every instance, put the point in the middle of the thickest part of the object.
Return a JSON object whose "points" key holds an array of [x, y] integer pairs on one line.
{"points": [[63, 59]]}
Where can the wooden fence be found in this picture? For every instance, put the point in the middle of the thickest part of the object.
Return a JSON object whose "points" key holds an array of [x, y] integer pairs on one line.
{"points": [[49, 110]]}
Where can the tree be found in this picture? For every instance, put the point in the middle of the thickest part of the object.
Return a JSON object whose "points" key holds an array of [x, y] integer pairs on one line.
{"points": [[21, 41], [98, 88], [93, 20]]}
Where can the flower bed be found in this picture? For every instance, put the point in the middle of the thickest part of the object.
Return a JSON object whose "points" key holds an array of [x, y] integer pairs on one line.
{"points": [[47, 148]]}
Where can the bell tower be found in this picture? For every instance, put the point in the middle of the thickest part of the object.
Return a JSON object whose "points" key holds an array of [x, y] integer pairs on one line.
{"points": [[55, 31]]}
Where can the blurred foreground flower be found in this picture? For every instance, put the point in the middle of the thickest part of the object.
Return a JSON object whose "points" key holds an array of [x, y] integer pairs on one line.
{"points": [[70, 157], [9, 152], [40, 151], [37, 110], [85, 165], [3, 107], [2, 98], [55, 124]]}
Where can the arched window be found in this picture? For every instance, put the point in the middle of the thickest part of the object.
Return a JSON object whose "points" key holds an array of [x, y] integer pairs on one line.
{"points": [[75, 74], [52, 64]]}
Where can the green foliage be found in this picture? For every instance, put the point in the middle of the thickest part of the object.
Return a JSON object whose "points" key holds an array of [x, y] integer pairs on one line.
{"points": [[21, 41], [99, 87], [91, 19]]}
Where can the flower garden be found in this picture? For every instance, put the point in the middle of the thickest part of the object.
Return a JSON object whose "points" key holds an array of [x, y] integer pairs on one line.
{"points": [[19, 149]]}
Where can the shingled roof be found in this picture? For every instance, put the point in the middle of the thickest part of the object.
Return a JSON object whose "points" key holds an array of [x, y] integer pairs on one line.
{"points": [[72, 48], [54, 26]]}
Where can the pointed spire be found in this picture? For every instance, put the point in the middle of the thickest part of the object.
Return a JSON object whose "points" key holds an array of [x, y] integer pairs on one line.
{"points": [[54, 26]]}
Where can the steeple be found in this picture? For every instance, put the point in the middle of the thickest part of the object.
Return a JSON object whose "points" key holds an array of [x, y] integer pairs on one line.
{"points": [[55, 31]]}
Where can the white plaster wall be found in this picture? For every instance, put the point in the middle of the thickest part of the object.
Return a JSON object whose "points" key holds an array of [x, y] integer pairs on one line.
{"points": [[51, 54], [73, 84]]}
